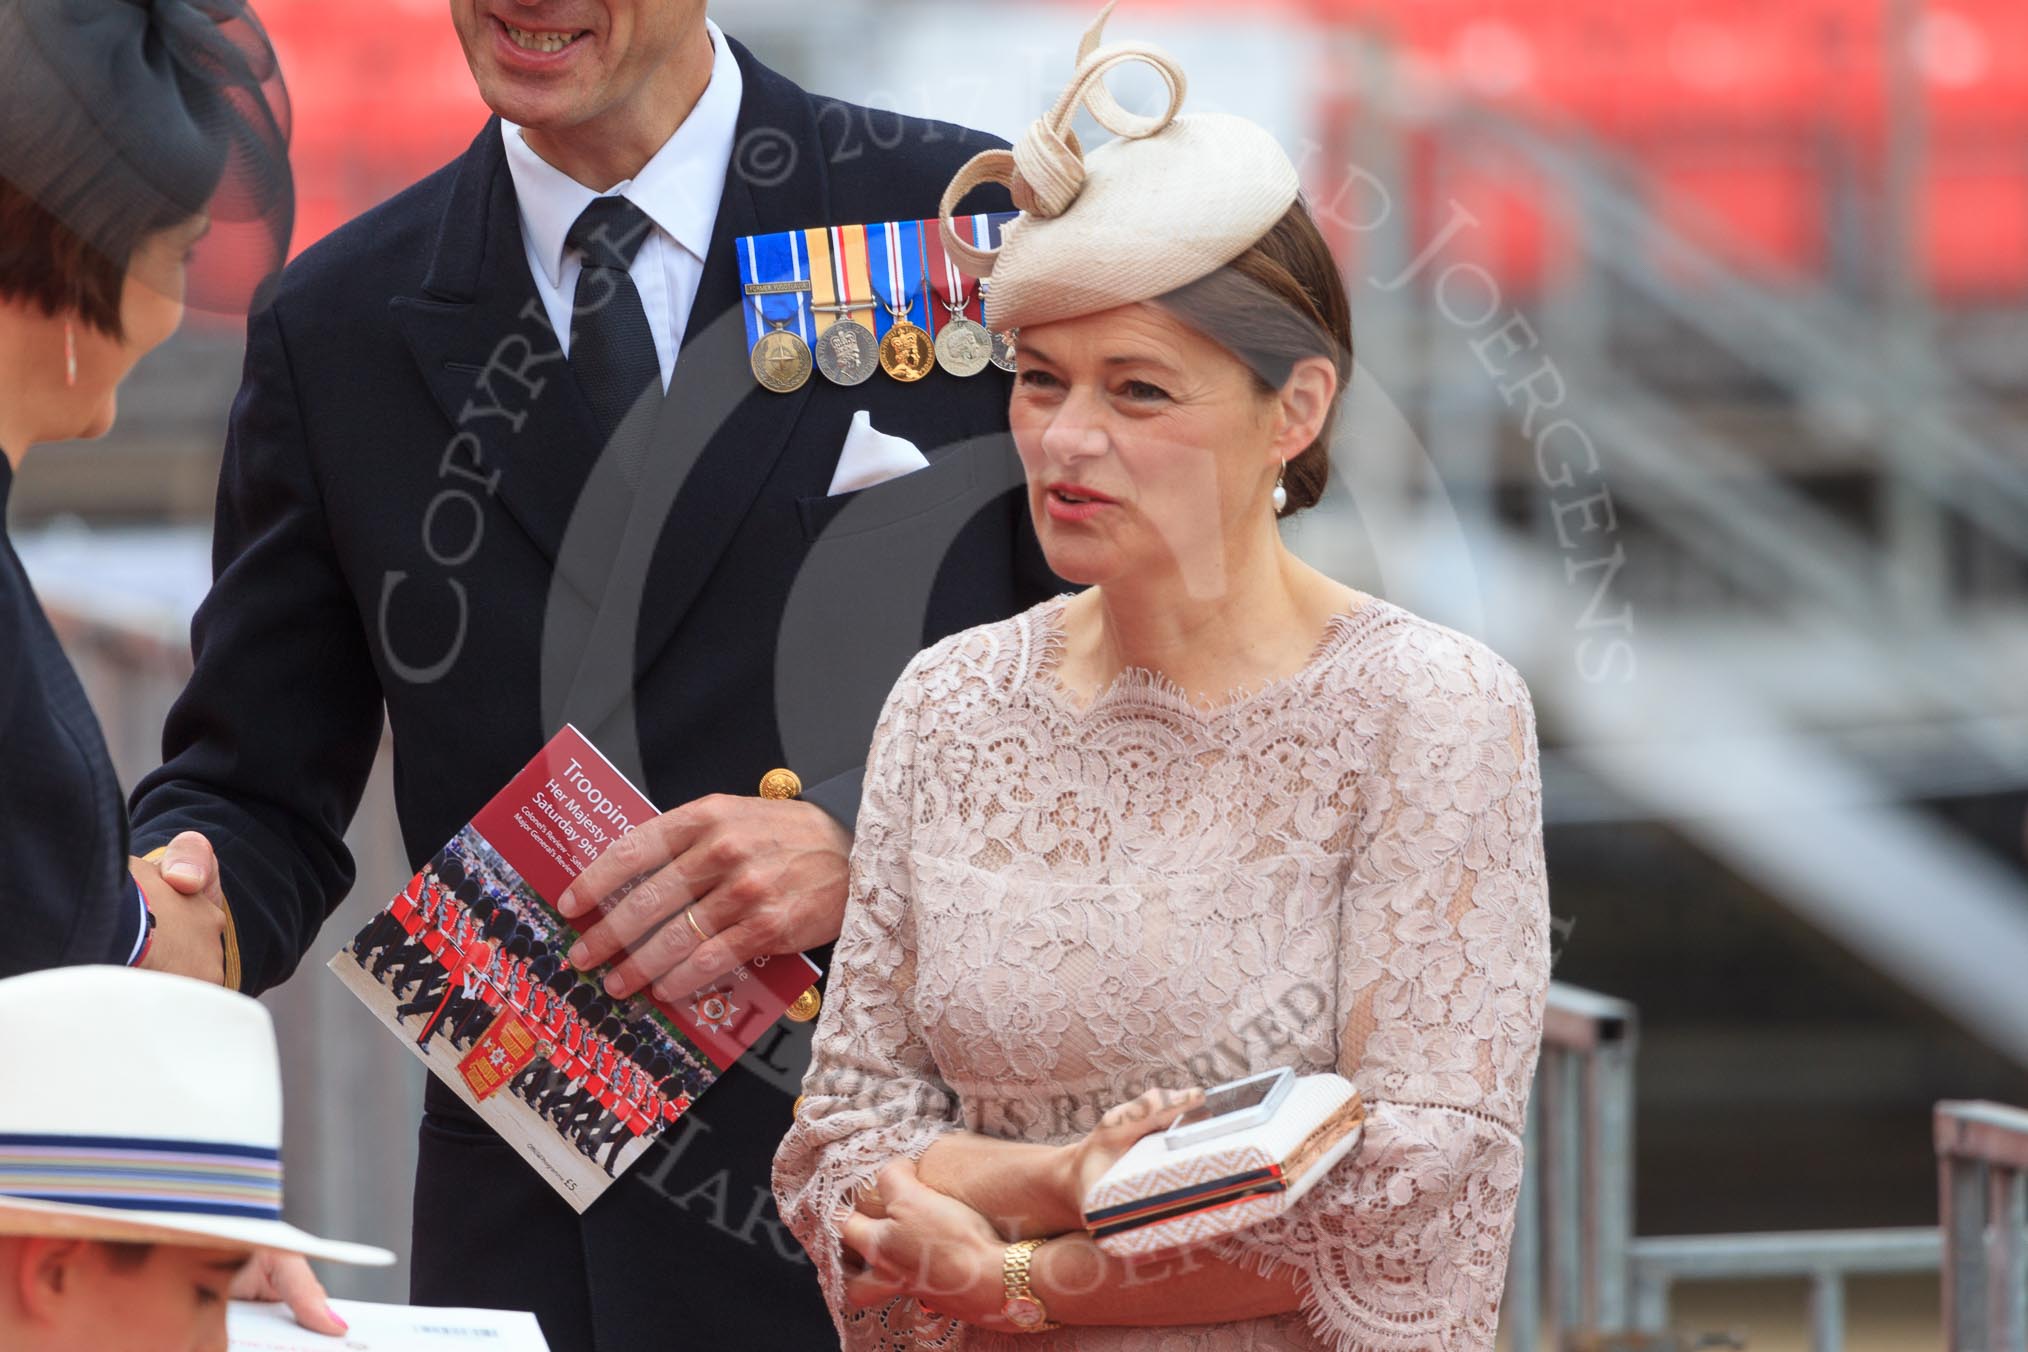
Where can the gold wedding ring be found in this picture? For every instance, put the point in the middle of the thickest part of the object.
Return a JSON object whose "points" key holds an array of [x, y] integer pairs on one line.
{"points": [[690, 914]]}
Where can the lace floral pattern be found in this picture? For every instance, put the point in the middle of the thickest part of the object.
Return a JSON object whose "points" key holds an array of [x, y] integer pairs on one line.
{"points": [[1055, 906]]}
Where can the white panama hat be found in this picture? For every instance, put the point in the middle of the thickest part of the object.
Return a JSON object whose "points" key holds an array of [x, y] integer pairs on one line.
{"points": [[144, 1107], [1170, 200]]}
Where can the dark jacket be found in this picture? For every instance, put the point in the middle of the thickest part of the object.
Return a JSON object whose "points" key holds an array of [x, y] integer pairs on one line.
{"points": [[415, 520], [64, 889]]}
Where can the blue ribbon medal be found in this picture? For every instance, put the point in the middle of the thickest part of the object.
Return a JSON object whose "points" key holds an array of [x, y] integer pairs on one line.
{"points": [[776, 281], [907, 351]]}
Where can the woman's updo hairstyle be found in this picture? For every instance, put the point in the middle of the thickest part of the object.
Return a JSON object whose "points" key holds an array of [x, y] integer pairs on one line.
{"points": [[1276, 304]]}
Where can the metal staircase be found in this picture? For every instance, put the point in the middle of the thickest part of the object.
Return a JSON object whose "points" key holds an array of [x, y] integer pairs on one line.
{"points": [[1791, 782]]}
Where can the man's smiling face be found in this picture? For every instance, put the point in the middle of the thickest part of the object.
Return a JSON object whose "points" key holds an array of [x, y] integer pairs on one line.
{"points": [[557, 64]]}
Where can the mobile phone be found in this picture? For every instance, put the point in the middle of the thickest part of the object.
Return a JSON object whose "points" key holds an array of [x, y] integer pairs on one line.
{"points": [[1233, 1106]]}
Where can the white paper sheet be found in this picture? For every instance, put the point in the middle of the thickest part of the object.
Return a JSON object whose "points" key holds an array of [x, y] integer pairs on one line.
{"points": [[385, 1328]]}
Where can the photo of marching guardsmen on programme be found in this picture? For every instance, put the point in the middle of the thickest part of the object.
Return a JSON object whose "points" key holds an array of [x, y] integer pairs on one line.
{"points": [[467, 964]]}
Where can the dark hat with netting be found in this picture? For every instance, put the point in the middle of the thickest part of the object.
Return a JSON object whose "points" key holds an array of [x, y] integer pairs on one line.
{"points": [[125, 118]]}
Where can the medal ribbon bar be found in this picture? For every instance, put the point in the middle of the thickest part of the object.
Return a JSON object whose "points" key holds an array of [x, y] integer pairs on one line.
{"points": [[947, 284], [779, 258], [896, 250], [848, 246], [823, 278]]}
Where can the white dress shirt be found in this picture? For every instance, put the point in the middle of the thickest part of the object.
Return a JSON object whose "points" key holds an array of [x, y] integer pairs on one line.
{"points": [[679, 190]]}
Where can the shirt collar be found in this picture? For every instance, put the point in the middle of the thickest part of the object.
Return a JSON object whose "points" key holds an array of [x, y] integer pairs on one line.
{"points": [[679, 187]]}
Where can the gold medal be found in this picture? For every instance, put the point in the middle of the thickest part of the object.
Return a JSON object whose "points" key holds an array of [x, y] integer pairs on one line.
{"points": [[781, 361], [807, 1006], [907, 353]]}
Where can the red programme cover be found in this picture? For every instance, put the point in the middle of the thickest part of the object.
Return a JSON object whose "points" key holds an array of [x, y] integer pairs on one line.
{"points": [[466, 965]]}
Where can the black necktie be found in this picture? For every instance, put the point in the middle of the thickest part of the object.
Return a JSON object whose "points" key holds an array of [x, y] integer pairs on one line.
{"points": [[612, 348]]}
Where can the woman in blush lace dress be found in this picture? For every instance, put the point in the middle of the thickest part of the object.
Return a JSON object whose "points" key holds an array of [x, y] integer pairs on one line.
{"points": [[1214, 815]]}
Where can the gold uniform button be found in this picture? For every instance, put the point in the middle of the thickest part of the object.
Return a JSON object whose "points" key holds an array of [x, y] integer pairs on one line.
{"points": [[780, 784], [806, 1006]]}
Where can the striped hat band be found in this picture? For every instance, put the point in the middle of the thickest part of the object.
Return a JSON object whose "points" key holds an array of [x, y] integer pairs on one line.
{"points": [[143, 1174]]}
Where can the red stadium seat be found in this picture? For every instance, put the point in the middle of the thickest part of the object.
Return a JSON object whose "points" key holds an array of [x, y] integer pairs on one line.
{"points": [[1759, 208], [1973, 55], [1975, 228], [1518, 233], [1728, 105], [379, 99]]}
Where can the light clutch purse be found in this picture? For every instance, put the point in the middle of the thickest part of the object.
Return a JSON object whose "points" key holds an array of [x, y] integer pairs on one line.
{"points": [[1226, 1170]]}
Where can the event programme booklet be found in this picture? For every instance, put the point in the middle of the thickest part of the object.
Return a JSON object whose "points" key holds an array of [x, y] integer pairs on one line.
{"points": [[467, 966], [270, 1327]]}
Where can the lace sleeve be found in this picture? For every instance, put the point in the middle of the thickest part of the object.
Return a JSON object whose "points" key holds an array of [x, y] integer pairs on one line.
{"points": [[1443, 976], [872, 1092]]}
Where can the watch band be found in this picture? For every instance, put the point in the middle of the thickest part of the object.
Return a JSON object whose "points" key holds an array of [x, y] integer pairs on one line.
{"points": [[1024, 1309], [147, 939]]}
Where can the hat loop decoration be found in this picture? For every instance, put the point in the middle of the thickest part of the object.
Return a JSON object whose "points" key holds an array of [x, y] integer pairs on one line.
{"points": [[1169, 200], [1045, 170]]}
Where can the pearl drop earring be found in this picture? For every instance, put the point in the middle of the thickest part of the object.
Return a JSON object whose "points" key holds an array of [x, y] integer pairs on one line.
{"points": [[69, 354], [1281, 494]]}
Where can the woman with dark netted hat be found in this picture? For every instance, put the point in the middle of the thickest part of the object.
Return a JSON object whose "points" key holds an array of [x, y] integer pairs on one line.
{"points": [[143, 169]]}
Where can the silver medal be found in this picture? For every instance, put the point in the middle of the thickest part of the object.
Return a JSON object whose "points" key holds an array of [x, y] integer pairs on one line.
{"points": [[964, 347], [847, 352]]}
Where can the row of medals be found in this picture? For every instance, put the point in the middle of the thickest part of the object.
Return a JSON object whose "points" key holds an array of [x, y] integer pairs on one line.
{"points": [[847, 352]]}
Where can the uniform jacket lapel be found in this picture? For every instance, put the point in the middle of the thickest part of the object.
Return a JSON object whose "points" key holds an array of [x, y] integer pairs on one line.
{"points": [[482, 340], [714, 440], [724, 462]]}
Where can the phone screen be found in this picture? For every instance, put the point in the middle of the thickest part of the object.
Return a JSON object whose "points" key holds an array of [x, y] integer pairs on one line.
{"points": [[1229, 1098]]}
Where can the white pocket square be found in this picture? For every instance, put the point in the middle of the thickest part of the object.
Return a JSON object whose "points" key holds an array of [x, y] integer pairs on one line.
{"points": [[871, 457]]}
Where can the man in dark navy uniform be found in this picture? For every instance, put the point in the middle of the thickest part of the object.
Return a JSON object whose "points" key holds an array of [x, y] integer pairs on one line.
{"points": [[461, 500]]}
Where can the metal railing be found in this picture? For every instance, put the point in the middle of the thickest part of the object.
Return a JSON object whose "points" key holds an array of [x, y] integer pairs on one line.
{"points": [[1980, 1248], [1982, 1199], [1576, 1272], [1825, 1257], [1575, 1217]]}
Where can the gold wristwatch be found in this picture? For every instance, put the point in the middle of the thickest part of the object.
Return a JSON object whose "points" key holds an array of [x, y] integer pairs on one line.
{"points": [[1024, 1310]]}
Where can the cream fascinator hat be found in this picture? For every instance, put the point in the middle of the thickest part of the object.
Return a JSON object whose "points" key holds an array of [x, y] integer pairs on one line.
{"points": [[1171, 200], [144, 1107]]}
